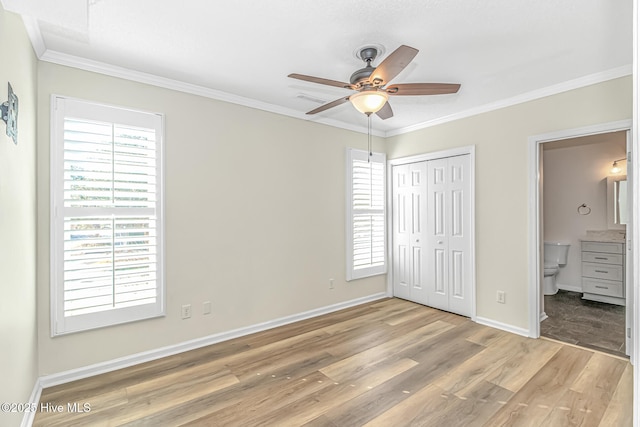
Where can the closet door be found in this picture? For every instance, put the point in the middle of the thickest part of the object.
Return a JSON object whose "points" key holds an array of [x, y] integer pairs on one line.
{"points": [[448, 245], [409, 216]]}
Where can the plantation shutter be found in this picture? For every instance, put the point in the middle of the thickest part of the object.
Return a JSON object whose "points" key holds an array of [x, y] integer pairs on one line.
{"points": [[366, 249], [106, 182]]}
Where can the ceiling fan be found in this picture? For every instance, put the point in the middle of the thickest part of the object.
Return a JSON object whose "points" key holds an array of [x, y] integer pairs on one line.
{"points": [[372, 84]]}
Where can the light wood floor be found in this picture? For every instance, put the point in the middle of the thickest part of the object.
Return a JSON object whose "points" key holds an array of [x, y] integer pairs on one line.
{"points": [[388, 363]]}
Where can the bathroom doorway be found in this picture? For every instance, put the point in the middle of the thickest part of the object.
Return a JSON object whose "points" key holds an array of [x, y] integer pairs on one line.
{"points": [[572, 196], [579, 308]]}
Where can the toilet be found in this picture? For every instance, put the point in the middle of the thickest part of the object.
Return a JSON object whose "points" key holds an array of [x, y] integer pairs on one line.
{"points": [[555, 256]]}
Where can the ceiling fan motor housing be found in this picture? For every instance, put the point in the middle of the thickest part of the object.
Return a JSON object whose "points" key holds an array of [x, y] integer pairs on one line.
{"points": [[367, 54], [361, 75]]}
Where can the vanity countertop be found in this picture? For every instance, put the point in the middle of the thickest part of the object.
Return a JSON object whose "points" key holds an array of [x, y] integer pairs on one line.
{"points": [[604, 236], [601, 239]]}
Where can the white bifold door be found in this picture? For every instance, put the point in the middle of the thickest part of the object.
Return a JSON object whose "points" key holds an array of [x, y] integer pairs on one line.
{"points": [[409, 231], [432, 262]]}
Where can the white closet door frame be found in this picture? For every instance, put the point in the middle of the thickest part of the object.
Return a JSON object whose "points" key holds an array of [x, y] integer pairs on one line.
{"points": [[471, 151]]}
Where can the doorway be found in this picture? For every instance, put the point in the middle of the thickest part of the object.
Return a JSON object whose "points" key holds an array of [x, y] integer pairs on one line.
{"points": [[553, 156]]}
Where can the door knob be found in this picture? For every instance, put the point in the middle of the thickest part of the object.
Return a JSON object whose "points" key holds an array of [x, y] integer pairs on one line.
{"points": [[440, 242]]}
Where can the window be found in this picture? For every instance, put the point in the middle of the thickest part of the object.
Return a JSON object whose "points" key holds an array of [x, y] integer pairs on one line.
{"points": [[366, 249], [106, 215]]}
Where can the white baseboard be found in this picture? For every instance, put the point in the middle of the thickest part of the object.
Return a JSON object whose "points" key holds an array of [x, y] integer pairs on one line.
{"points": [[543, 316], [571, 288], [503, 326], [34, 399], [134, 359]]}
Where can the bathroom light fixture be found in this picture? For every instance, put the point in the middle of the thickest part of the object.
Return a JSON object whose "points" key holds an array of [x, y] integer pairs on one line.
{"points": [[615, 168], [369, 101]]}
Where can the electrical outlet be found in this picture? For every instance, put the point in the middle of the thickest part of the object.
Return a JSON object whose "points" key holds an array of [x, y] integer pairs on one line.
{"points": [[330, 283], [206, 307], [186, 311], [500, 297]]}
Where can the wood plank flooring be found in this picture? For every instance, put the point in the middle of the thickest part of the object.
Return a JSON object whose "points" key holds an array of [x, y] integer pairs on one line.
{"points": [[386, 363]]}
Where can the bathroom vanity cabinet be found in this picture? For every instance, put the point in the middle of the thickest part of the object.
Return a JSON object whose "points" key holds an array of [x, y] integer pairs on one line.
{"points": [[603, 272]]}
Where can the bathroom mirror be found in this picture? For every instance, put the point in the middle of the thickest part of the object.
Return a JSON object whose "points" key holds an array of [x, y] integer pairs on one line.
{"points": [[617, 209]]}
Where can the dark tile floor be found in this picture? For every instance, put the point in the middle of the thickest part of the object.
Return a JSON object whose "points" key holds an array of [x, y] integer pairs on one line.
{"points": [[585, 323]]}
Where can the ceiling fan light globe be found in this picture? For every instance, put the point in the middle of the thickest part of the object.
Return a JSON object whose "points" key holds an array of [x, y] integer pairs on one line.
{"points": [[369, 102]]}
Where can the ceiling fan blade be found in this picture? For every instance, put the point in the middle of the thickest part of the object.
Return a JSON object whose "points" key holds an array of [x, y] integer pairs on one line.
{"points": [[392, 65], [385, 112], [320, 80], [422, 89], [329, 105]]}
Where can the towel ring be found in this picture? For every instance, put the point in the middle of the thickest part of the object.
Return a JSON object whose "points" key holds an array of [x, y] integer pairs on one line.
{"points": [[583, 209]]}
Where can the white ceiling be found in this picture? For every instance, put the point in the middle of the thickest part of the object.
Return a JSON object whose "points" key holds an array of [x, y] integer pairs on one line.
{"points": [[500, 51]]}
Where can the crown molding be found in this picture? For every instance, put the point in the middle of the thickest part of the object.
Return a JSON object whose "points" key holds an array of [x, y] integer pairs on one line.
{"points": [[154, 80], [33, 31], [578, 83], [59, 58], [166, 83], [44, 54]]}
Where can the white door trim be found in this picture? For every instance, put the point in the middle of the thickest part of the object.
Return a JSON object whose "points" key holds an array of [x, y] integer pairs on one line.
{"points": [[535, 240], [635, 242], [459, 151]]}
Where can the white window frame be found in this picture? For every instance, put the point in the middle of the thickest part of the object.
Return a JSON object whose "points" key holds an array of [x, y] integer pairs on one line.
{"points": [[61, 108], [359, 273]]}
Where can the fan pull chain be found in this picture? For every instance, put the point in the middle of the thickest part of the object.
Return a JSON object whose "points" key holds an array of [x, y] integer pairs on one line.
{"points": [[369, 137]]}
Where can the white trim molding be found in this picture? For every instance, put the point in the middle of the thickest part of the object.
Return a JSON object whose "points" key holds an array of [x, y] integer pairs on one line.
{"points": [[34, 401], [87, 112], [179, 86], [502, 326], [458, 151], [60, 58], [635, 238], [147, 356], [33, 30], [578, 83], [535, 229]]}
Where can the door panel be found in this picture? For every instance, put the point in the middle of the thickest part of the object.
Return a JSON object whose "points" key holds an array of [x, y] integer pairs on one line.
{"points": [[459, 242], [437, 263], [416, 214], [431, 219], [438, 207], [402, 213], [408, 184], [439, 274], [401, 235], [402, 267], [457, 274], [457, 213], [416, 261]]}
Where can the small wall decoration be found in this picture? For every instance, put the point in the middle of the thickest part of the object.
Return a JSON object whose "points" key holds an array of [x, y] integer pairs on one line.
{"points": [[9, 112]]}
